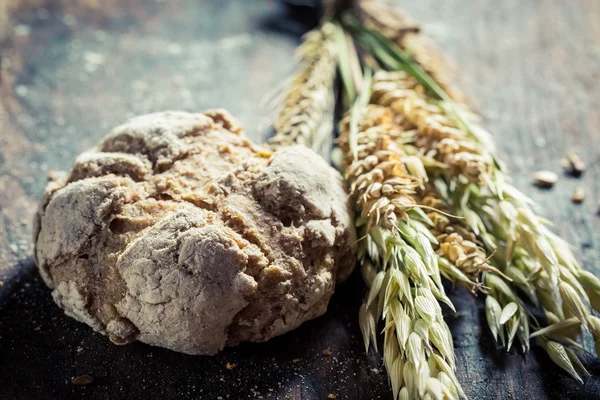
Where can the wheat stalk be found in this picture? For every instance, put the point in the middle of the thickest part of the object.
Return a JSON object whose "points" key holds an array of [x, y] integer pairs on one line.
{"points": [[398, 262], [305, 112]]}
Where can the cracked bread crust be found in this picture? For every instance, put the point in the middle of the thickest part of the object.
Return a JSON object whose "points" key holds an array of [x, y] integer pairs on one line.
{"points": [[177, 231]]}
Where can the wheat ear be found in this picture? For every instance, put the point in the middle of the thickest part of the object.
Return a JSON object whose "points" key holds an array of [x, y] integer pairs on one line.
{"points": [[305, 112]]}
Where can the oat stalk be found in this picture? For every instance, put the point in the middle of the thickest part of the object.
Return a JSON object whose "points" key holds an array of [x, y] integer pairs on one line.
{"points": [[463, 260]]}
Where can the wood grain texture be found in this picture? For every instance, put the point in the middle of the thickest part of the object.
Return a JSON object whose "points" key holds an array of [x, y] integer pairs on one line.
{"points": [[532, 65]]}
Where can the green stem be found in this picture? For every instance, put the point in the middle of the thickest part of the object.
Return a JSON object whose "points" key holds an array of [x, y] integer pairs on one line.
{"points": [[344, 64]]}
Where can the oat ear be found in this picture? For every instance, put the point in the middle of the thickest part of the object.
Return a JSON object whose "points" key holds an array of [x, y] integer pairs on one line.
{"points": [[560, 356]]}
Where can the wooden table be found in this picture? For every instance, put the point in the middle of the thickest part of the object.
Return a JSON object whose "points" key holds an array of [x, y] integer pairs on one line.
{"points": [[73, 72]]}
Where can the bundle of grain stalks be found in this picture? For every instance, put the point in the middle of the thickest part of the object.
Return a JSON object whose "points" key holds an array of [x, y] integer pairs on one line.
{"points": [[433, 202], [526, 254], [537, 261]]}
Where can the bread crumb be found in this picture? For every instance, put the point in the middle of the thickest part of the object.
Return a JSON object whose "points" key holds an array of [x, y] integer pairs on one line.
{"points": [[544, 179], [83, 380], [326, 353], [578, 195], [230, 366], [573, 164]]}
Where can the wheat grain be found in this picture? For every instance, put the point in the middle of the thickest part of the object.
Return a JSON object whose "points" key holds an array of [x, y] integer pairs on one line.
{"points": [[544, 179]]}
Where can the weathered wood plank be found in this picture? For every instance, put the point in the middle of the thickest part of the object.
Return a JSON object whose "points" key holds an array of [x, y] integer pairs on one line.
{"points": [[532, 66]]}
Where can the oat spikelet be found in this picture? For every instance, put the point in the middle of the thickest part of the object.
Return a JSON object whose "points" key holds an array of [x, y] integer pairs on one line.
{"points": [[305, 115], [543, 267], [463, 260]]}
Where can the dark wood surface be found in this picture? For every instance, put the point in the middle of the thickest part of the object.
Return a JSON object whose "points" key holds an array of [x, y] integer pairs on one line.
{"points": [[73, 71]]}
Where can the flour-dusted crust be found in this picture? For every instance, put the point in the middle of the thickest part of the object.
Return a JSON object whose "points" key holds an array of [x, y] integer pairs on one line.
{"points": [[175, 230]]}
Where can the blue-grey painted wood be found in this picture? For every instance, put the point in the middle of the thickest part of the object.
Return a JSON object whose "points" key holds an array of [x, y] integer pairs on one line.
{"points": [[72, 72]]}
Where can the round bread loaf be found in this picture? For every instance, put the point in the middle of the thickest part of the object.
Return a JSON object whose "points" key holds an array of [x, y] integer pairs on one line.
{"points": [[177, 231]]}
